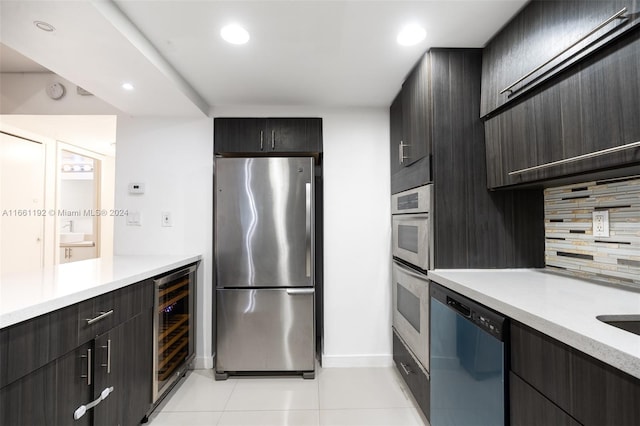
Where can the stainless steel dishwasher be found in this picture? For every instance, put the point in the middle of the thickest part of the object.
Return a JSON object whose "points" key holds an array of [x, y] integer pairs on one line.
{"points": [[468, 361]]}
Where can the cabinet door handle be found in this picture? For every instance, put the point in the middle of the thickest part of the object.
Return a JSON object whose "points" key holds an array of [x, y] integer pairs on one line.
{"points": [[618, 15], [406, 369], [273, 140], [108, 364], [261, 140], [88, 375], [577, 158], [100, 316], [401, 153], [82, 410]]}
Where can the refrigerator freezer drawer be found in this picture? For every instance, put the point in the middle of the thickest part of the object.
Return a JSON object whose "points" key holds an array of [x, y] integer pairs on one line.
{"points": [[265, 330]]}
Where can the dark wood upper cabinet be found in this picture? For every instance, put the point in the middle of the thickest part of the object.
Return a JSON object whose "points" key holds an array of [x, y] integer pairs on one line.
{"points": [[395, 133], [267, 135], [523, 51], [590, 109], [236, 135], [416, 117], [472, 227], [410, 130]]}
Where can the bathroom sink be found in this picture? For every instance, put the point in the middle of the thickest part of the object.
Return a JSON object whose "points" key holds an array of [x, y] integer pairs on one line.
{"points": [[630, 323], [71, 237]]}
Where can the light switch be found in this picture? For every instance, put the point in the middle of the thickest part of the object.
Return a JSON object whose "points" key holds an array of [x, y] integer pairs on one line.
{"points": [[133, 219], [601, 223]]}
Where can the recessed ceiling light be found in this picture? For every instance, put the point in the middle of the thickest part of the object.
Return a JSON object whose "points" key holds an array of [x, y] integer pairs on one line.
{"points": [[44, 26], [127, 86], [411, 34], [234, 34]]}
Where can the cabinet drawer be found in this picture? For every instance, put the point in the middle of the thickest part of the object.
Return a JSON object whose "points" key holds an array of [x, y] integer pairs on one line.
{"points": [[528, 407], [413, 375], [591, 391], [93, 314]]}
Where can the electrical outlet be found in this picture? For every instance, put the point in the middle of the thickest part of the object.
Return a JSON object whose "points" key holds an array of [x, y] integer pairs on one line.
{"points": [[601, 223], [166, 219]]}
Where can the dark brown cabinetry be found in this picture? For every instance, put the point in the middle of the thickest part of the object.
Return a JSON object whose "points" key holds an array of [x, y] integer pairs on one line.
{"points": [[410, 130], [36, 399], [410, 370], [540, 32], [565, 128], [473, 227], [530, 408], [267, 135], [549, 377], [83, 349]]}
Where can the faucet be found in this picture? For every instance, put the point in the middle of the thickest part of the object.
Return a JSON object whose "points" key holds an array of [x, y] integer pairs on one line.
{"points": [[68, 224]]}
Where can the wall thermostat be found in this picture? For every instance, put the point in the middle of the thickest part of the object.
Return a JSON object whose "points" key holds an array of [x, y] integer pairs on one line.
{"points": [[136, 188], [55, 91]]}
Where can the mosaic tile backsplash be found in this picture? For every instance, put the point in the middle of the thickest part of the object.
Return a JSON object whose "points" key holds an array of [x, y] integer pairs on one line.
{"points": [[570, 245]]}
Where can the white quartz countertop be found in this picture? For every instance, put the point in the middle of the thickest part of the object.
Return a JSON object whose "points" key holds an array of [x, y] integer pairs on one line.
{"points": [[26, 296], [561, 307]]}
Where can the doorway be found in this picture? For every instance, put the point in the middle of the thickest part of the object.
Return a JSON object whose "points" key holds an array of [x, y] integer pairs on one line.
{"points": [[22, 207]]}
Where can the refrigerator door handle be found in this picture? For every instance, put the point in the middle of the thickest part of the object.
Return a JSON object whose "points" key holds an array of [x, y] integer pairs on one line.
{"points": [[308, 229], [295, 291]]}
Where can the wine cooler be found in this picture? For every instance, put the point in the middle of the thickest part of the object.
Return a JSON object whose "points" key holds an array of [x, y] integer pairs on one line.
{"points": [[174, 328]]}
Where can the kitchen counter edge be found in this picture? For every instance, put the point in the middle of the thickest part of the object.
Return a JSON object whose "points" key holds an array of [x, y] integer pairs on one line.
{"points": [[120, 271]]}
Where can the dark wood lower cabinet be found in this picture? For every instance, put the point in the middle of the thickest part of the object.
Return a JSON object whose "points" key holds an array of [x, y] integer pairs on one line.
{"points": [[530, 408], [124, 362], [416, 379], [590, 391], [55, 363], [49, 395]]}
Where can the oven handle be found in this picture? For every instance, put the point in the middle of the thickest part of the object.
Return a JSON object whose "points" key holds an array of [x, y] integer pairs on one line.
{"points": [[411, 272]]}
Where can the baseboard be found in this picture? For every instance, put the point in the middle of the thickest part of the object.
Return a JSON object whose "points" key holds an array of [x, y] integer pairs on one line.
{"points": [[355, 361], [203, 363]]}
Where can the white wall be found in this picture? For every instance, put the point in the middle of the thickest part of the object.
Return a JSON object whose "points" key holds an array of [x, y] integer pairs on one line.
{"points": [[24, 93], [357, 252], [174, 159], [357, 258]]}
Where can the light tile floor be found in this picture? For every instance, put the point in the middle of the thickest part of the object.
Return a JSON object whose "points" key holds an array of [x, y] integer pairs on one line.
{"points": [[336, 397]]}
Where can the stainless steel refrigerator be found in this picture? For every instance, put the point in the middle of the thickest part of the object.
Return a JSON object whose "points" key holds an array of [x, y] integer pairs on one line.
{"points": [[264, 251]]}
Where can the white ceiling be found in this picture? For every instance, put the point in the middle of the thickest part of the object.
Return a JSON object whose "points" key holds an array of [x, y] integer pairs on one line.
{"points": [[301, 52]]}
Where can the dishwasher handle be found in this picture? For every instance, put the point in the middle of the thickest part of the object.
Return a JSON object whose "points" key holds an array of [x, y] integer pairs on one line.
{"points": [[461, 308]]}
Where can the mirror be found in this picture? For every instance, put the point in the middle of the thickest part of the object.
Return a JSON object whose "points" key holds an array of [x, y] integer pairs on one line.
{"points": [[79, 207]]}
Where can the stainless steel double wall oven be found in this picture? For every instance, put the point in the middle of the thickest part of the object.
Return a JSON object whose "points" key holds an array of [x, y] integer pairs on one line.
{"points": [[412, 257]]}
